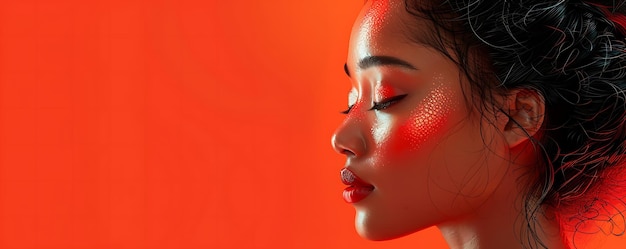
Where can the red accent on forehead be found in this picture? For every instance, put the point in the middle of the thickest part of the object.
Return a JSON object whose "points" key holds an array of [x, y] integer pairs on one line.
{"points": [[377, 15]]}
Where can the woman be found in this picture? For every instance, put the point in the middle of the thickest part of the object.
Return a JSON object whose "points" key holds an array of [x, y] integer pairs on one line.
{"points": [[500, 122]]}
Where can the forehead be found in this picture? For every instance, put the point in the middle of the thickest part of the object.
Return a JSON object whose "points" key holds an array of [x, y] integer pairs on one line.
{"points": [[379, 13], [380, 29]]}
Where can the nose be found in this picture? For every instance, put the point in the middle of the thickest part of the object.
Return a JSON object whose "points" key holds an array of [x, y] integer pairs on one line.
{"points": [[348, 139]]}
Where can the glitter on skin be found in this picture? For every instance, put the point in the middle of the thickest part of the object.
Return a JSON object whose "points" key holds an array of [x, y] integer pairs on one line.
{"points": [[376, 20], [427, 119], [376, 15]]}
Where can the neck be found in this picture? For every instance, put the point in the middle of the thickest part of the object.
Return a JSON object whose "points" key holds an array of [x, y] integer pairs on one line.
{"points": [[501, 223]]}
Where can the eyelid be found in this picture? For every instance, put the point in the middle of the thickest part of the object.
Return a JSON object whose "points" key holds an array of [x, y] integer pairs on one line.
{"points": [[385, 103]]}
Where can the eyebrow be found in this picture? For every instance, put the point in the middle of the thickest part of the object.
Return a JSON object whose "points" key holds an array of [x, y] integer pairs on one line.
{"points": [[372, 61]]}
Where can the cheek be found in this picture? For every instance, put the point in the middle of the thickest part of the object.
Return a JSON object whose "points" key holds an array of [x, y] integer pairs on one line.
{"points": [[426, 123]]}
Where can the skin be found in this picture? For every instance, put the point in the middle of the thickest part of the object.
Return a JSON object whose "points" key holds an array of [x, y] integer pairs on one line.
{"points": [[433, 160]]}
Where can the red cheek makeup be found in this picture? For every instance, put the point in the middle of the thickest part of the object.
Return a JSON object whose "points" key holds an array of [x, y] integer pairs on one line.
{"points": [[426, 121]]}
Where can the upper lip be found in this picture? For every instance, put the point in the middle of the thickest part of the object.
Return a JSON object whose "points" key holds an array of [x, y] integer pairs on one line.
{"points": [[350, 178]]}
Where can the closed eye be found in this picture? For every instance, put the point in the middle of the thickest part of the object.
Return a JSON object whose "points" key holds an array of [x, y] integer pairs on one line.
{"points": [[387, 102]]}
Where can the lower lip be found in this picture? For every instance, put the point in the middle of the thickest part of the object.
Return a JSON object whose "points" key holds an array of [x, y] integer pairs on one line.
{"points": [[354, 194]]}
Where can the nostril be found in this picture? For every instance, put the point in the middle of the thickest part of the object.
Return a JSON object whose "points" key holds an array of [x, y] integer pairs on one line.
{"points": [[347, 152]]}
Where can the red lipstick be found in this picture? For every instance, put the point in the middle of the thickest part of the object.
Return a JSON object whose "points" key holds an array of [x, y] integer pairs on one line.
{"points": [[357, 189]]}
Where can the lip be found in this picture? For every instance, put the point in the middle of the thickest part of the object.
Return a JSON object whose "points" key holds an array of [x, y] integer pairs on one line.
{"points": [[357, 189]]}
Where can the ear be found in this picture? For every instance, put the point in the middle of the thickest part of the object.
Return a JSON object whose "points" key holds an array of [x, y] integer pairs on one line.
{"points": [[526, 109]]}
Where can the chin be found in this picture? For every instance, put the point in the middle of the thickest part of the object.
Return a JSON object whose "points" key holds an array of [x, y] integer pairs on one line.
{"points": [[379, 229], [382, 234], [373, 235]]}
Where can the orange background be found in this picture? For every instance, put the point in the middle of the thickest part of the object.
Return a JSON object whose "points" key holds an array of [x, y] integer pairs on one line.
{"points": [[176, 124]]}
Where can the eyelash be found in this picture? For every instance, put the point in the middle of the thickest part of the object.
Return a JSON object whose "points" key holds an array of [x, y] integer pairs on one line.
{"points": [[380, 105], [387, 102], [347, 110]]}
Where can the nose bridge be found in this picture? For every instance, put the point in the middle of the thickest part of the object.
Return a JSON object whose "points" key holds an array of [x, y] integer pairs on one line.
{"points": [[349, 138]]}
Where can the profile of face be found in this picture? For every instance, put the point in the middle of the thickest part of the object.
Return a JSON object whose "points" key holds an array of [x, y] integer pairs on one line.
{"points": [[417, 154]]}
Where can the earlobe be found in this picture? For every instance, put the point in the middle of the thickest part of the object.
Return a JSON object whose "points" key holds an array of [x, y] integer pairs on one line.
{"points": [[526, 113]]}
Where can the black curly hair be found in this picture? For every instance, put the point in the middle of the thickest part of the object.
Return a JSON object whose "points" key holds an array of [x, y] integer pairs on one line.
{"points": [[573, 53]]}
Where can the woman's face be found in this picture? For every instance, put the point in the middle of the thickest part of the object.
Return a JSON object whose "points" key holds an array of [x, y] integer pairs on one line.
{"points": [[410, 133]]}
